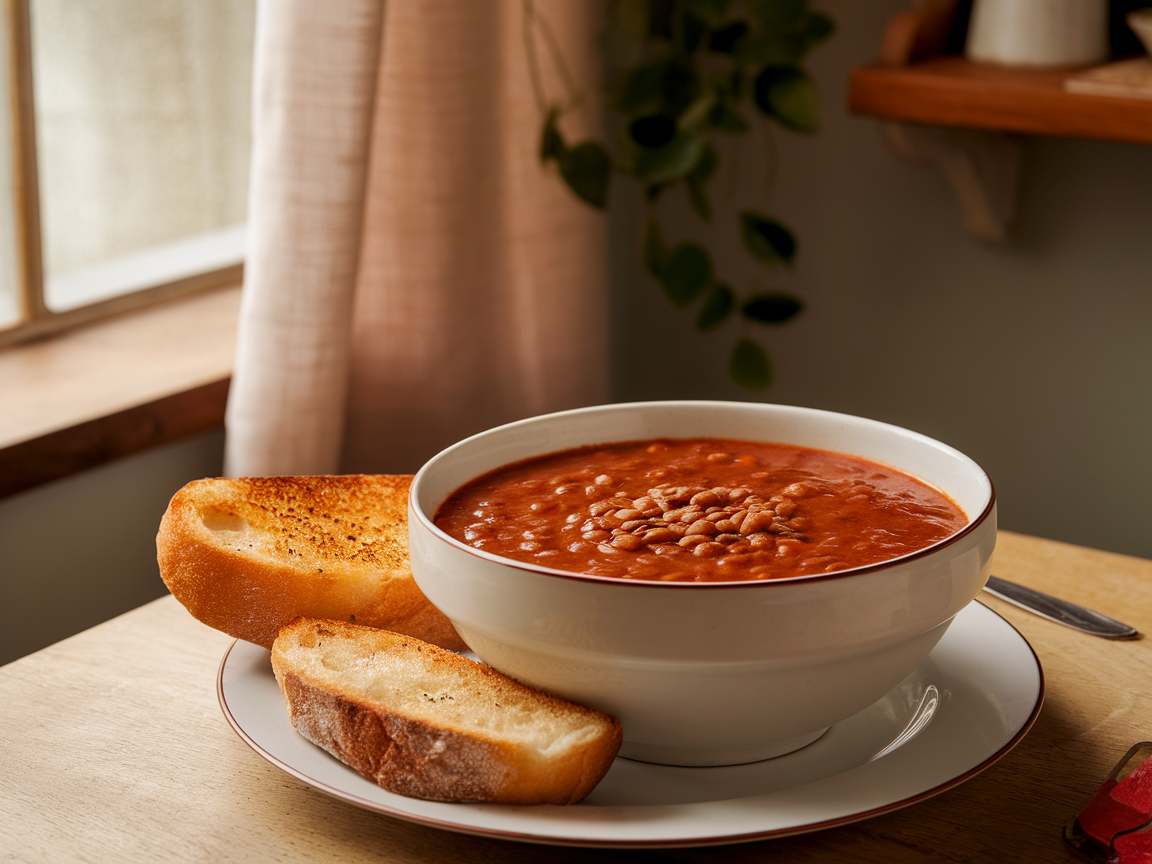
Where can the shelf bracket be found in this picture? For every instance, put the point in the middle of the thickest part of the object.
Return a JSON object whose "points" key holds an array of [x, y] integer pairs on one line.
{"points": [[982, 166]]}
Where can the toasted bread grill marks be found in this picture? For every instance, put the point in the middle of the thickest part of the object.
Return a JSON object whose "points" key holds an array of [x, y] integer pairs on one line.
{"points": [[248, 555], [428, 723]]}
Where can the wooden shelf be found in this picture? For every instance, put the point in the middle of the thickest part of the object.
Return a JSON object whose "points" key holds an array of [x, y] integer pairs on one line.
{"points": [[115, 387], [936, 107], [951, 91]]}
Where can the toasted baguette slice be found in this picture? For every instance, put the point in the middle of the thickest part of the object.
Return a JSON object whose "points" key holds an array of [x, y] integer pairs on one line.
{"points": [[427, 723], [248, 556]]}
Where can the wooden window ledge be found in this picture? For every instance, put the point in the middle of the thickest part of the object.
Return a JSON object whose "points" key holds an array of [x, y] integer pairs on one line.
{"points": [[87, 396]]}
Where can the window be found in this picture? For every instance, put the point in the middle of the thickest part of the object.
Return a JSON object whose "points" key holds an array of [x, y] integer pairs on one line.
{"points": [[128, 141]]}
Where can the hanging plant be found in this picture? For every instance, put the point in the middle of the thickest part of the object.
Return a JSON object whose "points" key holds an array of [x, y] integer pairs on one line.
{"points": [[683, 73]]}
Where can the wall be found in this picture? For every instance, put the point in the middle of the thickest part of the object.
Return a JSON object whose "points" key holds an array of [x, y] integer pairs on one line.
{"points": [[82, 550], [1034, 356]]}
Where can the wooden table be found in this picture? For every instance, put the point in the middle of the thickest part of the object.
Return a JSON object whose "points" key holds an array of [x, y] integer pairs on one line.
{"points": [[113, 748]]}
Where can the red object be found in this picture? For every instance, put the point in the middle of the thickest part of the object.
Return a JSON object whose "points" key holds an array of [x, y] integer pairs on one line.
{"points": [[1115, 827], [1135, 790], [1135, 848], [1105, 816]]}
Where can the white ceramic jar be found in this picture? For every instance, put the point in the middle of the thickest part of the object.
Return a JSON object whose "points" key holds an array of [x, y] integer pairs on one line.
{"points": [[1038, 33]]}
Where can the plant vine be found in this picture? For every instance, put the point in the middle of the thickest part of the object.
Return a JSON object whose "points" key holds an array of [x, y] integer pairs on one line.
{"points": [[681, 73]]}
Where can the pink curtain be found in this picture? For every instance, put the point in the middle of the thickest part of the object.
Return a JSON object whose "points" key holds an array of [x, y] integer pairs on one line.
{"points": [[414, 274]]}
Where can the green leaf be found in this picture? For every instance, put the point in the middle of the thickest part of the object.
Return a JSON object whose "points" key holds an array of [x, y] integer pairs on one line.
{"points": [[777, 14], [771, 308], [737, 83], [711, 12], [725, 40], [766, 239], [587, 168], [666, 86], [816, 28], [749, 366], [683, 86], [707, 165], [687, 273], [652, 130], [697, 199], [787, 94], [670, 162], [660, 21], [716, 308], [655, 252], [690, 35], [696, 179], [551, 141], [642, 87], [724, 118], [697, 114], [770, 47]]}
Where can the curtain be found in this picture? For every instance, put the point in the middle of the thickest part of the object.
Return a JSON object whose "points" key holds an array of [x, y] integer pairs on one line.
{"points": [[414, 274]]}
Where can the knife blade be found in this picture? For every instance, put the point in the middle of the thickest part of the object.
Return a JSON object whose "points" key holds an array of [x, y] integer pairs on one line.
{"points": [[1060, 611]]}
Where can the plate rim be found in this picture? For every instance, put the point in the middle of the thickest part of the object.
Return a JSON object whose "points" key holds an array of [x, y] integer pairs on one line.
{"points": [[652, 842]]}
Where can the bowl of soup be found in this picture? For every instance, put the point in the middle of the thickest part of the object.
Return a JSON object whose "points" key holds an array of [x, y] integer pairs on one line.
{"points": [[728, 579]]}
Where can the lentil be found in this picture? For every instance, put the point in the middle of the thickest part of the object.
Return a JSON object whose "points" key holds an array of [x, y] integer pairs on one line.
{"points": [[743, 510]]}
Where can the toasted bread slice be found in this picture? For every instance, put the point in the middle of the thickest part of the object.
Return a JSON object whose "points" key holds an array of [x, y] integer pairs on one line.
{"points": [[427, 723], [247, 556]]}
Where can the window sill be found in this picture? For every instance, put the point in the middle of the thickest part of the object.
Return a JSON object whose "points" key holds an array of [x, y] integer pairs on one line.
{"points": [[106, 390]]}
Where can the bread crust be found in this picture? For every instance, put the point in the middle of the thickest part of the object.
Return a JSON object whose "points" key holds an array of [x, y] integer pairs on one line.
{"points": [[434, 756], [249, 555]]}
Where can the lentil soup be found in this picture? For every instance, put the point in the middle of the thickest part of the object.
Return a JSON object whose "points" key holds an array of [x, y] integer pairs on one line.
{"points": [[699, 510]]}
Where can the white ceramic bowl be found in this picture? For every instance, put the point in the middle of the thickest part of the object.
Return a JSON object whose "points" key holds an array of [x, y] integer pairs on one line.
{"points": [[718, 673]]}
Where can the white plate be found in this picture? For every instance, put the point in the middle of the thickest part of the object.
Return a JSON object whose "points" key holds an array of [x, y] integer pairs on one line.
{"points": [[966, 706]]}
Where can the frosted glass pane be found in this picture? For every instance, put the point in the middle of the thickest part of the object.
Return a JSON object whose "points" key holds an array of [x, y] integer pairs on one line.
{"points": [[11, 304], [143, 131]]}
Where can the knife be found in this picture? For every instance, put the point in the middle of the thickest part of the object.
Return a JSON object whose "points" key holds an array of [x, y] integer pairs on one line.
{"points": [[1060, 611]]}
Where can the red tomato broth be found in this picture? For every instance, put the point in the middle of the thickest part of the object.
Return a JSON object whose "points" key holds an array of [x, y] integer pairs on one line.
{"points": [[643, 510]]}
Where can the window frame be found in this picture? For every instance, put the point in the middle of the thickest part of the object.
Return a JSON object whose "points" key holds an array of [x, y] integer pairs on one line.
{"points": [[37, 320]]}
